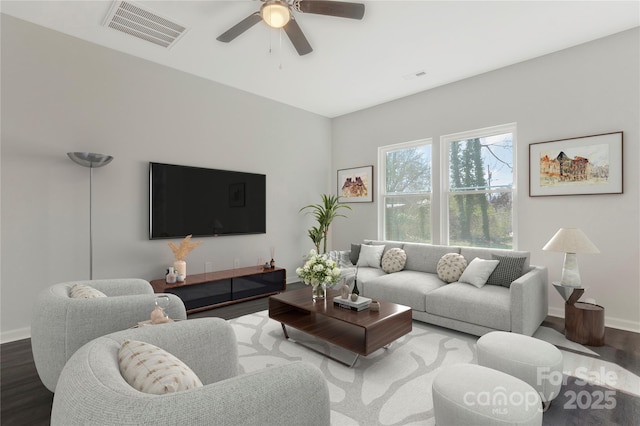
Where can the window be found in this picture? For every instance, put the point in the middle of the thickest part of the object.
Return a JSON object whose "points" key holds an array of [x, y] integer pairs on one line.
{"points": [[405, 191], [478, 189]]}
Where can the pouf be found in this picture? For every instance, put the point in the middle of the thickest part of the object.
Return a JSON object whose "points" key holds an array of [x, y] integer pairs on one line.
{"points": [[469, 394], [533, 360]]}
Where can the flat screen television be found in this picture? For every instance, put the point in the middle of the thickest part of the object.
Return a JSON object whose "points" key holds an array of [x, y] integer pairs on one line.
{"points": [[204, 202]]}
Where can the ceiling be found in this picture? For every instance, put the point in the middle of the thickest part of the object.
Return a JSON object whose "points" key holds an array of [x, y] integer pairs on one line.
{"points": [[355, 64]]}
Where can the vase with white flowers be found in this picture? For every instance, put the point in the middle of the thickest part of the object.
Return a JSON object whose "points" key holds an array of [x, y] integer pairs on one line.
{"points": [[319, 271]]}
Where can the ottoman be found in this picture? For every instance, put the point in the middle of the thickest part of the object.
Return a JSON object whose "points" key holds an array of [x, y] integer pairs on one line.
{"points": [[469, 394], [532, 360]]}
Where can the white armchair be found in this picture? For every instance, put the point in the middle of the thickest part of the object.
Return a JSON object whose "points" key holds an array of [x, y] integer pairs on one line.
{"points": [[60, 325], [91, 389]]}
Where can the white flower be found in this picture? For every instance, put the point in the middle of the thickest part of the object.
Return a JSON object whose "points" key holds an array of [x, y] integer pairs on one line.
{"points": [[318, 269]]}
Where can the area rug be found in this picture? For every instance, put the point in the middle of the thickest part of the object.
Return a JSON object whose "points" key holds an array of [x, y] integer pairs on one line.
{"points": [[390, 387], [554, 337], [393, 386]]}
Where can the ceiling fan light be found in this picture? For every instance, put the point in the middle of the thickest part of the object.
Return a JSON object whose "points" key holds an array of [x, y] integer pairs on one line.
{"points": [[275, 13]]}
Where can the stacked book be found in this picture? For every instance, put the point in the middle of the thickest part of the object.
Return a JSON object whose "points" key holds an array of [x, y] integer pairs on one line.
{"points": [[361, 303]]}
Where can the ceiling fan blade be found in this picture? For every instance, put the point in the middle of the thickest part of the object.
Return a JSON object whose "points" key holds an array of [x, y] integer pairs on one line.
{"points": [[332, 8], [297, 37], [240, 27]]}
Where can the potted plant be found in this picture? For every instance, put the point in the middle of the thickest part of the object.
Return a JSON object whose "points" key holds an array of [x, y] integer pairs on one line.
{"points": [[324, 213], [316, 235]]}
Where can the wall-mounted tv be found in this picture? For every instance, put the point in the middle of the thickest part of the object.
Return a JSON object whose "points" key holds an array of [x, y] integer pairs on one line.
{"points": [[204, 202]]}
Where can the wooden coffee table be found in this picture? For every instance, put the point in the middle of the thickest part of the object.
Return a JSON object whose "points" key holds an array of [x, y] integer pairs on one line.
{"points": [[362, 332]]}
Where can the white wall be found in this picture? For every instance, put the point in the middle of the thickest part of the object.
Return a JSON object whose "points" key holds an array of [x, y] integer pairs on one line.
{"points": [[61, 94], [589, 89]]}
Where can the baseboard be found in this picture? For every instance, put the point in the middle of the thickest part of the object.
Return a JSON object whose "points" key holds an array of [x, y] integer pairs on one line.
{"points": [[621, 324], [555, 312], [611, 322], [13, 335]]}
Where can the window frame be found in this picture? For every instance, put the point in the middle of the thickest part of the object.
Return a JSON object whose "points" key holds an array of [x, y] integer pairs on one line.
{"points": [[445, 187], [382, 181]]}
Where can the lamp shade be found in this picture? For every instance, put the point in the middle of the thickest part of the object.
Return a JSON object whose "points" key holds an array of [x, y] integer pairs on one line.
{"points": [[275, 13], [90, 159], [570, 240]]}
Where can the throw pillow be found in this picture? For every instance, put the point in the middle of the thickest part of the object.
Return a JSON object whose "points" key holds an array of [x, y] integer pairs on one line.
{"points": [[478, 271], [394, 260], [508, 270], [149, 369], [355, 253], [341, 257], [370, 256], [451, 266], [82, 291]]}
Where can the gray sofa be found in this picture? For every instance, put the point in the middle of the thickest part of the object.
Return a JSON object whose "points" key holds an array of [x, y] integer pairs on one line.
{"points": [[519, 308], [92, 391]]}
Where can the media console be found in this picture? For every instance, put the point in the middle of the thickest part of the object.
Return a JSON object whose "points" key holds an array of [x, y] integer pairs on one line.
{"points": [[200, 292]]}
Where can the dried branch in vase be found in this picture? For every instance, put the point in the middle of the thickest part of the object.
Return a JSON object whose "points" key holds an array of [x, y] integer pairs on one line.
{"points": [[184, 248]]}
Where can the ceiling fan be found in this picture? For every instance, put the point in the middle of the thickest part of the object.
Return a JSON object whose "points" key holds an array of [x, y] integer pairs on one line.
{"points": [[277, 14]]}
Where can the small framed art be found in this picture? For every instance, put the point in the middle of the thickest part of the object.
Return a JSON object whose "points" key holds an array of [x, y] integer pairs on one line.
{"points": [[356, 185], [236, 195], [584, 165]]}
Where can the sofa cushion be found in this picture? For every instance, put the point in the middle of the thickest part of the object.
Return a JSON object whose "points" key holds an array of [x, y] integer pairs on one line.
{"points": [[409, 288], [478, 271], [354, 254], [82, 291], [488, 306], [487, 253], [451, 266], [341, 257], [393, 260], [370, 256], [388, 245], [509, 269], [366, 275], [425, 257], [150, 369]]}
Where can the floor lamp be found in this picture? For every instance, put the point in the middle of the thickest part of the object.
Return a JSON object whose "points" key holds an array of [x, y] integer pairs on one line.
{"points": [[90, 160]]}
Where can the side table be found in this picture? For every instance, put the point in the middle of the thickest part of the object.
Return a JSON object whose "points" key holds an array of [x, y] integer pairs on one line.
{"points": [[583, 322]]}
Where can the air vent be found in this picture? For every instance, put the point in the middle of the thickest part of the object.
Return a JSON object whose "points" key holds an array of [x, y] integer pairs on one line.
{"points": [[134, 20]]}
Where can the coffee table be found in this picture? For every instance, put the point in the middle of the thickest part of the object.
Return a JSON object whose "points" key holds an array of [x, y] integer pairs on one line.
{"points": [[362, 332]]}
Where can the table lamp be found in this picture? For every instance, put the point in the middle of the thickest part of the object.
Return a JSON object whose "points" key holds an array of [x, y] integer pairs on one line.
{"points": [[570, 241]]}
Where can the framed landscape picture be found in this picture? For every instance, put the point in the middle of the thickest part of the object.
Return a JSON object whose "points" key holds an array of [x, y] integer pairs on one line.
{"points": [[356, 185], [585, 165]]}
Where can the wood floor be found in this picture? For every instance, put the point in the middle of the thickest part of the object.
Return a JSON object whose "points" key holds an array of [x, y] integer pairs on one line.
{"points": [[25, 401]]}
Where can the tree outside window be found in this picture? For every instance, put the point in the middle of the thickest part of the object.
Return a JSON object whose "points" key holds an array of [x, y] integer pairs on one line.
{"points": [[480, 193], [476, 190], [406, 194]]}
